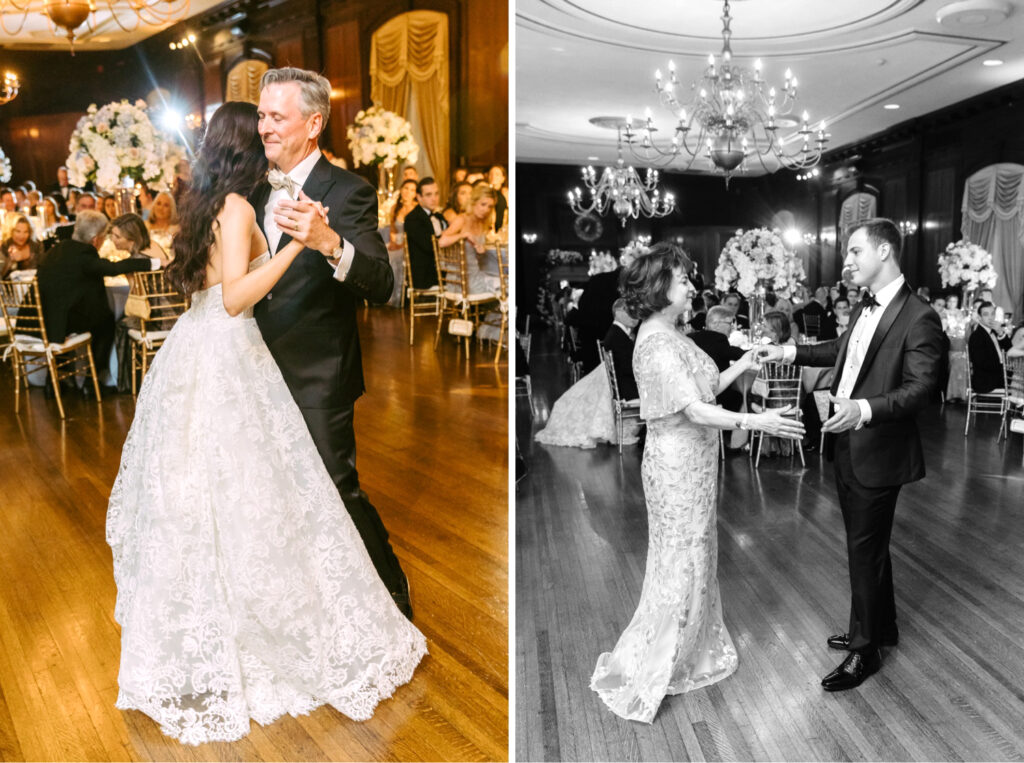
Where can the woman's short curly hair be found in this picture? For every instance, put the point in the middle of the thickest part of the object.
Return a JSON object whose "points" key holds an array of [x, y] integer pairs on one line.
{"points": [[645, 282]]}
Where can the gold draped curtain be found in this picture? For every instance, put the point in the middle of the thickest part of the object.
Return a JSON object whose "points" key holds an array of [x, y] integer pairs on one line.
{"points": [[243, 81], [409, 55]]}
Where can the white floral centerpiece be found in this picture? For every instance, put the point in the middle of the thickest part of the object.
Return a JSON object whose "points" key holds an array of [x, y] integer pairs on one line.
{"points": [[119, 141], [381, 137], [601, 262], [758, 257], [968, 266], [632, 250], [5, 167]]}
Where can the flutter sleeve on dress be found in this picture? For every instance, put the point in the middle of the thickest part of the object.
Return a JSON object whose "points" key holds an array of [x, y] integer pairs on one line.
{"points": [[669, 377]]}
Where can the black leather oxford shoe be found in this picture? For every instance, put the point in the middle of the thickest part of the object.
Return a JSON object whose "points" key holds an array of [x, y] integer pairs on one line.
{"points": [[852, 671], [841, 641]]}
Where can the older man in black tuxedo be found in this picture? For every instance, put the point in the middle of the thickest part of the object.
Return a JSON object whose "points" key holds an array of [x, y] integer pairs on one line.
{"points": [[887, 366], [72, 289], [308, 320], [714, 340], [422, 226]]}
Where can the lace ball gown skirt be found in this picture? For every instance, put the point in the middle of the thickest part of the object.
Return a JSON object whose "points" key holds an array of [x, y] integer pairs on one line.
{"points": [[583, 416], [243, 588]]}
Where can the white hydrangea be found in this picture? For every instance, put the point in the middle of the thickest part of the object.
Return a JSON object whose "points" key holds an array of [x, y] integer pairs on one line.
{"points": [[5, 167], [381, 137], [967, 266], [754, 256], [116, 141]]}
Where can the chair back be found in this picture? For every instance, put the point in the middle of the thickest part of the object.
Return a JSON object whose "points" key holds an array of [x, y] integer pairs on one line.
{"points": [[503, 272], [166, 304], [783, 384], [406, 264], [451, 271], [1014, 370], [23, 310], [812, 325], [609, 368]]}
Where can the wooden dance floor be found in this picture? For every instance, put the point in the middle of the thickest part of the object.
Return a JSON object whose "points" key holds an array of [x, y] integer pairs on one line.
{"points": [[952, 690], [432, 437]]}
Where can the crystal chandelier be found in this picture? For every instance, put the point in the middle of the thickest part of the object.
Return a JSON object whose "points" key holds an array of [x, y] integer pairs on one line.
{"points": [[68, 15], [729, 118], [621, 190], [9, 91]]}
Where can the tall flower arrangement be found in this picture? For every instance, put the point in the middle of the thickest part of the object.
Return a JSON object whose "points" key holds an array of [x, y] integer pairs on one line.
{"points": [[118, 141], [758, 256], [968, 266], [5, 167], [631, 251], [381, 137]]}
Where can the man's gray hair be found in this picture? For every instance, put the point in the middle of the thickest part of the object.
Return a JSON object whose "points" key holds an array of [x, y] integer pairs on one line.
{"points": [[88, 225], [314, 89], [719, 314]]}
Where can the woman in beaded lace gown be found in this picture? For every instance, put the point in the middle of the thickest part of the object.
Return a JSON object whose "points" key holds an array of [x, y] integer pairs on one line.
{"points": [[677, 640], [244, 590]]}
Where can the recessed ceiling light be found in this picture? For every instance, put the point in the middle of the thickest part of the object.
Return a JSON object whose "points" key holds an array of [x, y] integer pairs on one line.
{"points": [[992, 62], [593, 158], [891, 106]]}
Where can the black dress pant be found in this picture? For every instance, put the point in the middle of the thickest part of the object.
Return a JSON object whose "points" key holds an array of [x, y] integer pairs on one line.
{"points": [[868, 516], [335, 439]]}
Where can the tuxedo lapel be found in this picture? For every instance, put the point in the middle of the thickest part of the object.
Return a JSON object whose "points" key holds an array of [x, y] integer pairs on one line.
{"points": [[884, 324]]}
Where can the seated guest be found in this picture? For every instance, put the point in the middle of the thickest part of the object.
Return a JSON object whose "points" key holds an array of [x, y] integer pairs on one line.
{"points": [[853, 294], [458, 204], [472, 227], [52, 214], [410, 173], [459, 176], [422, 226], [110, 207], [405, 204], [777, 327], [62, 187], [163, 219], [985, 348], [619, 342], [72, 289], [734, 302], [714, 340], [128, 233], [498, 179], [86, 201], [816, 308], [20, 251], [841, 308]]}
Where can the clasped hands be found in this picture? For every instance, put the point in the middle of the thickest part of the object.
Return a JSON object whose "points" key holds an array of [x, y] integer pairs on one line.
{"points": [[305, 221], [847, 412]]}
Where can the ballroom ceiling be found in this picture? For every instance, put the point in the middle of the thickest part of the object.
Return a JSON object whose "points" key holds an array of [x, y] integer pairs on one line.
{"points": [[33, 31], [578, 59]]}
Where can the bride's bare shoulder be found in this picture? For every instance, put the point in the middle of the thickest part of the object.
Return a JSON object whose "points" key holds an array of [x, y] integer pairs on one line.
{"points": [[236, 204]]}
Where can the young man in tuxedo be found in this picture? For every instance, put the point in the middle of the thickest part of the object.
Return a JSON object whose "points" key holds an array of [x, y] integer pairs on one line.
{"points": [[422, 226], [308, 320], [887, 366], [986, 349]]}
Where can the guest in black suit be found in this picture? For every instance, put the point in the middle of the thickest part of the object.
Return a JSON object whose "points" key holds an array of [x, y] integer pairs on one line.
{"points": [[887, 366], [619, 341], [985, 348], [817, 308], [72, 289], [734, 302], [61, 188], [593, 316], [714, 340], [308, 320], [422, 226]]}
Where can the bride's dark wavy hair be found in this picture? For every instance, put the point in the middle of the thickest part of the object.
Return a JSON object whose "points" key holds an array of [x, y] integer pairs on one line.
{"points": [[230, 160]]}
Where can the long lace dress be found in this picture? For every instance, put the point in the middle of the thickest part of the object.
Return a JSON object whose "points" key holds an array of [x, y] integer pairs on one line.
{"points": [[243, 589], [676, 641]]}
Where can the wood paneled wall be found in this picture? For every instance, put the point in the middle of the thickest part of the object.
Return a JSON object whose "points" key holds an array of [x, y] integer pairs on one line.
{"points": [[330, 36]]}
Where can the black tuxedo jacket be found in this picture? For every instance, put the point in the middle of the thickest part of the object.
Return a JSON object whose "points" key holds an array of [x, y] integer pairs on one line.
{"points": [[419, 232], [620, 344], [986, 362], [72, 289], [308, 320], [901, 370], [717, 347]]}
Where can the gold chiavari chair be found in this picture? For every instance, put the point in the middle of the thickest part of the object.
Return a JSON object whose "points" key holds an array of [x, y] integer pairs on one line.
{"points": [[165, 305], [422, 302], [1013, 400], [624, 409], [503, 306], [22, 311], [812, 325], [457, 301], [992, 402], [782, 383]]}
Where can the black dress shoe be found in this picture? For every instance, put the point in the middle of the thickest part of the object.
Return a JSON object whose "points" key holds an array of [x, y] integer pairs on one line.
{"points": [[841, 641], [852, 671]]}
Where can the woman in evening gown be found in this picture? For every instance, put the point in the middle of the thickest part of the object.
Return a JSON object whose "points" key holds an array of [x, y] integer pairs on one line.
{"points": [[677, 640], [243, 588]]}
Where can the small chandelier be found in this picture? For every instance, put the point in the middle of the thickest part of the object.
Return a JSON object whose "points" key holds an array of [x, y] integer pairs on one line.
{"points": [[621, 190], [9, 91], [729, 118], [69, 15]]}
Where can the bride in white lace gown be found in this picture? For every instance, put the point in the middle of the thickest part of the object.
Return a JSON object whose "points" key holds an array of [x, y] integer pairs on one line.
{"points": [[677, 640], [244, 589]]}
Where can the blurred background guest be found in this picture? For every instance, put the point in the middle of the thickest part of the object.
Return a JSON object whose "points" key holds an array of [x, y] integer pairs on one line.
{"points": [[110, 207], [458, 202], [405, 204], [20, 251], [497, 178], [422, 226], [472, 227], [163, 219]]}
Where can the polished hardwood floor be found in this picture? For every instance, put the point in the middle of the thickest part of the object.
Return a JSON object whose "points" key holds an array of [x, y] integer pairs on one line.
{"points": [[432, 435], [952, 690]]}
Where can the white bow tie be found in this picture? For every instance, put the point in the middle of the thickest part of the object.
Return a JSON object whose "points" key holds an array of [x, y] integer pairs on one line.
{"points": [[279, 180]]}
